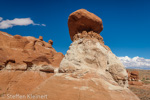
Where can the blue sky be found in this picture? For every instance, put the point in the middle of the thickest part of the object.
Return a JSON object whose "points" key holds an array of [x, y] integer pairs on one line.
{"points": [[126, 22]]}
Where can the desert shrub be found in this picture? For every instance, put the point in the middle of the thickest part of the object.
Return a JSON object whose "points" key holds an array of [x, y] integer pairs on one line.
{"points": [[146, 82], [143, 79], [1, 95], [147, 78]]}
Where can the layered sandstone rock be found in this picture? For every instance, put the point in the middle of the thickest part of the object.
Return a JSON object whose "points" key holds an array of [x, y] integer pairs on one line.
{"points": [[88, 55], [133, 76], [91, 86], [26, 53], [60, 86]]}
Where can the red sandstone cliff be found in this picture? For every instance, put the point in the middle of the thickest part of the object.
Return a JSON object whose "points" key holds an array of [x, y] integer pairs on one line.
{"points": [[26, 53]]}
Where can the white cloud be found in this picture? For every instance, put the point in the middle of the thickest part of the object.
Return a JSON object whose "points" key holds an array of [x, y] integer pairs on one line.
{"points": [[135, 62], [43, 24], [1, 18], [4, 24]]}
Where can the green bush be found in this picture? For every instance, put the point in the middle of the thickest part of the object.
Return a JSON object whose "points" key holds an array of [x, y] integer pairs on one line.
{"points": [[147, 78]]}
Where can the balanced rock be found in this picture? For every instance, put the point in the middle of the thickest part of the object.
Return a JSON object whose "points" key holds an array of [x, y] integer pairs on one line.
{"points": [[82, 20], [89, 70]]}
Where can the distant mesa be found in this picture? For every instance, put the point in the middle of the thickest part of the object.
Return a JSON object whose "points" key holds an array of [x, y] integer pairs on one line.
{"points": [[83, 20]]}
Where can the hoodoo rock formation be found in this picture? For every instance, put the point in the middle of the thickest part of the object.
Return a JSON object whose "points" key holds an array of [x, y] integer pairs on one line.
{"points": [[89, 70], [88, 53], [90, 61], [26, 53]]}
